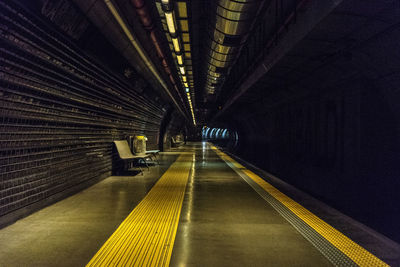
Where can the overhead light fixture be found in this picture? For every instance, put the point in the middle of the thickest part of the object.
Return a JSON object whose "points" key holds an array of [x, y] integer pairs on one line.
{"points": [[173, 27], [180, 59], [141, 51], [170, 22], [182, 70], [177, 47]]}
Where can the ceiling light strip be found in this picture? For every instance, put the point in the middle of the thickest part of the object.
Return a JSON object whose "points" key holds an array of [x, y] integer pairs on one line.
{"points": [[140, 51], [177, 48]]}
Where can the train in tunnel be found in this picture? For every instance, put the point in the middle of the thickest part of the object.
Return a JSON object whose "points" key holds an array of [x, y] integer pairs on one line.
{"points": [[305, 90]]}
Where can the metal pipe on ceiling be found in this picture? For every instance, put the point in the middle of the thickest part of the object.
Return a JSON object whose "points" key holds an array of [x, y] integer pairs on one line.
{"points": [[233, 21], [145, 18], [133, 40]]}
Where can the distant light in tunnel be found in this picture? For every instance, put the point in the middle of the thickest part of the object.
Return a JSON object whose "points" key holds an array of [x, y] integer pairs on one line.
{"points": [[219, 134], [182, 70], [224, 133], [187, 90]]}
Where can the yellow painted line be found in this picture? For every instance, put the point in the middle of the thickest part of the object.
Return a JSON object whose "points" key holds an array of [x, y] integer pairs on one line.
{"points": [[146, 237], [355, 252]]}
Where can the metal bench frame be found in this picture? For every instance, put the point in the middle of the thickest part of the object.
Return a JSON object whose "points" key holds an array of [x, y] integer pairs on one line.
{"points": [[126, 155]]}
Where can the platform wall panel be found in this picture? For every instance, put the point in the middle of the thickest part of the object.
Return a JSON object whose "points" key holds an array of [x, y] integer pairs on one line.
{"points": [[60, 110]]}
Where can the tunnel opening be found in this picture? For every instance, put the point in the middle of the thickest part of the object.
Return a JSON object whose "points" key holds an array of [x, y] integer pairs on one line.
{"points": [[220, 136]]}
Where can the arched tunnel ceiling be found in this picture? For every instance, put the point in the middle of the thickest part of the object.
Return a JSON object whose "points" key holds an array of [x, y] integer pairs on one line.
{"points": [[324, 52]]}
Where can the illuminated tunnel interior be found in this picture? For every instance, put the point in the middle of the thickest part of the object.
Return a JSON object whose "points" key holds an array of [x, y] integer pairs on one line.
{"points": [[307, 91]]}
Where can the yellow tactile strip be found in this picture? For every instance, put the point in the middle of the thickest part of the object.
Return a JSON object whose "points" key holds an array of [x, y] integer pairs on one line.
{"points": [[355, 252], [146, 237]]}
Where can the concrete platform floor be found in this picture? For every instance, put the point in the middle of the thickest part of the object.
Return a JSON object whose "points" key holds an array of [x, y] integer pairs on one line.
{"points": [[223, 222], [71, 231]]}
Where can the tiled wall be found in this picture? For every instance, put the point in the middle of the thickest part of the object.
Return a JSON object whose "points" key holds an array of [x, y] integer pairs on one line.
{"points": [[59, 112]]}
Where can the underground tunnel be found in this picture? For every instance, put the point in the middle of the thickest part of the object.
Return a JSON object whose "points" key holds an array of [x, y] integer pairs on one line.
{"points": [[200, 133]]}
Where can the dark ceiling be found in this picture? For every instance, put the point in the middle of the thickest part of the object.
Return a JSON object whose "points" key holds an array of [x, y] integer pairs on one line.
{"points": [[341, 47], [259, 53]]}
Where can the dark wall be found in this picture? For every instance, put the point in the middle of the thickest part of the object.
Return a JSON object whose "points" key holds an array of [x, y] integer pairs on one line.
{"points": [[60, 112], [330, 125], [342, 146]]}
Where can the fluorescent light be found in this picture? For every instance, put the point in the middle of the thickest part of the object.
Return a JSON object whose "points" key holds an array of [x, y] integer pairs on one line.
{"points": [[166, 2], [182, 70], [177, 47], [142, 53], [187, 90], [180, 59], [186, 84], [184, 78], [170, 22]]}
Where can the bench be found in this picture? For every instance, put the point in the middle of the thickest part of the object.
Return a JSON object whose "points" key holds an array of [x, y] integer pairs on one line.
{"points": [[153, 153], [138, 145], [125, 154], [175, 143]]}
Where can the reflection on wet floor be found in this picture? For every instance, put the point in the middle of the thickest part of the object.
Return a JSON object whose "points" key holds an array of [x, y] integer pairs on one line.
{"points": [[205, 210]]}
